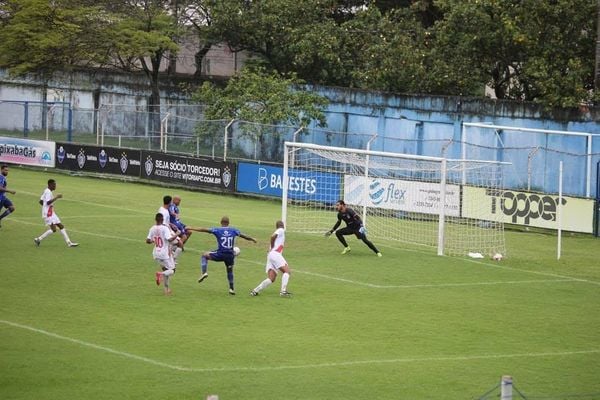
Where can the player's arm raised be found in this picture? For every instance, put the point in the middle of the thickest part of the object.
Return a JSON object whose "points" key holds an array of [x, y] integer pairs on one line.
{"points": [[247, 238], [205, 230]]}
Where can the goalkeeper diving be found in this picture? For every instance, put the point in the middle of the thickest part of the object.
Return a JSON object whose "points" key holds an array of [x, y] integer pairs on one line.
{"points": [[354, 226]]}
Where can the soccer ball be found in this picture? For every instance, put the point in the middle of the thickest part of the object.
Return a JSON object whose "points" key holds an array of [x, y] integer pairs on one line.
{"points": [[236, 251], [497, 257]]}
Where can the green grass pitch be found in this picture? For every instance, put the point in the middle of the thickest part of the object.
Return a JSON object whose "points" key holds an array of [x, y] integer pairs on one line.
{"points": [[90, 323]]}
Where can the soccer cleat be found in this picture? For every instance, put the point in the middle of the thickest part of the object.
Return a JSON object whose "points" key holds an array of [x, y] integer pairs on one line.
{"points": [[285, 293], [203, 277], [37, 242], [73, 244], [232, 292], [253, 293], [346, 250], [379, 255], [158, 276]]}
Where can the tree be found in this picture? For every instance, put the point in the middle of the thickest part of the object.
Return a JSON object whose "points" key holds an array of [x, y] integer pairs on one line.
{"points": [[198, 15], [290, 36], [43, 37], [262, 97], [523, 49], [142, 35]]}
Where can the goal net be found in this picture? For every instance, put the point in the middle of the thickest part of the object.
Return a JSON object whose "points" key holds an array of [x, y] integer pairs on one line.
{"points": [[399, 197]]}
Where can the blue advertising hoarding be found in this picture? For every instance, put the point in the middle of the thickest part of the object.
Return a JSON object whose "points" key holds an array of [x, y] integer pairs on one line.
{"points": [[267, 180]]}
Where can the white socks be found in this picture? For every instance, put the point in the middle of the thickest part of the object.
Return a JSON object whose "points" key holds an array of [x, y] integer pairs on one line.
{"points": [[263, 285], [64, 233], [284, 281], [45, 234]]}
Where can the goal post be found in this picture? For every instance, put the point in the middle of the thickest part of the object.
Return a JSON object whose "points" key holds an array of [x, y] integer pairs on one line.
{"points": [[449, 205]]}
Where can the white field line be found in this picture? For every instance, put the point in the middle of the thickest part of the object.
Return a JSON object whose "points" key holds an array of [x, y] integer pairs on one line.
{"points": [[495, 265], [301, 366], [558, 278], [436, 285], [133, 210]]}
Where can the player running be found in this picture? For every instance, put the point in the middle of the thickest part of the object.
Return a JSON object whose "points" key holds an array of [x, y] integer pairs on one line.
{"points": [[225, 236], [161, 237], [50, 217], [275, 262], [5, 201], [354, 226]]}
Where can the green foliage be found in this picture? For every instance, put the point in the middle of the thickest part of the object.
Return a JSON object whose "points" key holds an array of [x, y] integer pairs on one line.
{"points": [[42, 37], [525, 50], [528, 50], [263, 97]]}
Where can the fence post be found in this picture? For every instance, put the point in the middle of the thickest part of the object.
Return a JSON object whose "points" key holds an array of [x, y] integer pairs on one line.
{"points": [[26, 119], [366, 186], [225, 139], [597, 213], [70, 123], [506, 388]]}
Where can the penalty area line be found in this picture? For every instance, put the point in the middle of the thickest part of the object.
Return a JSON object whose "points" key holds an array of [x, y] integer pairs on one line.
{"points": [[450, 358], [437, 285]]}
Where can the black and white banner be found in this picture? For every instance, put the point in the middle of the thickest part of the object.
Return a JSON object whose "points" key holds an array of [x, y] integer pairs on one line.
{"points": [[109, 160], [188, 171]]}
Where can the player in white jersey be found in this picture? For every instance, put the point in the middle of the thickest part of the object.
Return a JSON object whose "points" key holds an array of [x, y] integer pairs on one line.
{"points": [[177, 245], [161, 237], [275, 262], [50, 217]]}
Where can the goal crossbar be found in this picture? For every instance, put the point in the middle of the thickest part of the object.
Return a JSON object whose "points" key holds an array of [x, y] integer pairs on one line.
{"points": [[416, 199]]}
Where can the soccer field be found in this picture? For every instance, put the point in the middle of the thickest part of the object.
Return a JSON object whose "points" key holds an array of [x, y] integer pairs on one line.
{"points": [[90, 322]]}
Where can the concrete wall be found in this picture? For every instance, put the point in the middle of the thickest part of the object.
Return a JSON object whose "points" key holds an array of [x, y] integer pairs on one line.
{"points": [[422, 125]]}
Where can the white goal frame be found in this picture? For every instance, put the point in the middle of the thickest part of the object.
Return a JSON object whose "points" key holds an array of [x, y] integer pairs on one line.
{"points": [[290, 149]]}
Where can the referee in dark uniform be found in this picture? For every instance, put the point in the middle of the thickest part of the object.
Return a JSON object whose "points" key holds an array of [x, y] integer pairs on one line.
{"points": [[354, 226]]}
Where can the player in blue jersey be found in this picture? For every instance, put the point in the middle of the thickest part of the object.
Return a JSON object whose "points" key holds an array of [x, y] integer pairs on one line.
{"points": [[5, 201], [225, 236], [176, 221]]}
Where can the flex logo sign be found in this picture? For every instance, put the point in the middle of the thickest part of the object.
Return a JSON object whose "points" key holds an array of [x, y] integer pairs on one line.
{"points": [[524, 207], [401, 195], [380, 193]]}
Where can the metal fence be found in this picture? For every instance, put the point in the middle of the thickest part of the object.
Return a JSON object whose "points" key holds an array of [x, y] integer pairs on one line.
{"points": [[183, 129]]}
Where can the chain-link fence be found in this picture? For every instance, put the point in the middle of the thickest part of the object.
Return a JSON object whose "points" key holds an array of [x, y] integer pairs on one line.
{"points": [[182, 129]]}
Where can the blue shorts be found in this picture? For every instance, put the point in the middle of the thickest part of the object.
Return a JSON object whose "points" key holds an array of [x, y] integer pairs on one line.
{"points": [[5, 202], [179, 226], [227, 258]]}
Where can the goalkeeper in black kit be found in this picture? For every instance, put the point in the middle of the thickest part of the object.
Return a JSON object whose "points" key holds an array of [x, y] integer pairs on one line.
{"points": [[354, 226]]}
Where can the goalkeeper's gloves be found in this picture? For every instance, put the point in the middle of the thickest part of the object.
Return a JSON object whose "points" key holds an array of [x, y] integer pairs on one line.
{"points": [[362, 230], [328, 233]]}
